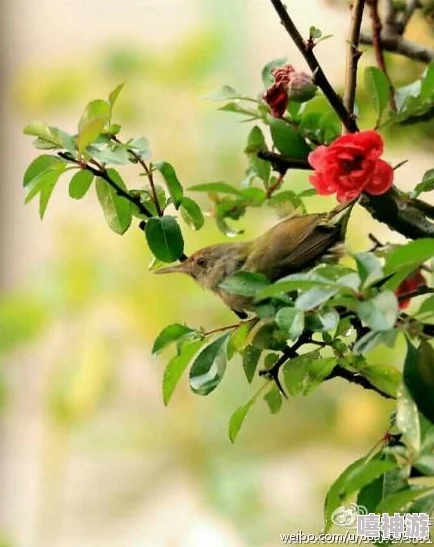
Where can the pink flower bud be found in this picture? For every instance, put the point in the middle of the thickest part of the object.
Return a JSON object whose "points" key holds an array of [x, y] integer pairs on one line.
{"points": [[301, 87]]}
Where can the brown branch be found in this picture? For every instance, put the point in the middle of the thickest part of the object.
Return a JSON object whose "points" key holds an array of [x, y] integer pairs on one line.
{"points": [[355, 378], [102, 173], [378, 48], [394, 43], [420, 291], [271, 189], [353, 54], [411, 7], [281, 163], [320, 78]]}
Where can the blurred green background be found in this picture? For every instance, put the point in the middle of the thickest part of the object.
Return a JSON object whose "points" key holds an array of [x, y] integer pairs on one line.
{"points": [[89, 455]]}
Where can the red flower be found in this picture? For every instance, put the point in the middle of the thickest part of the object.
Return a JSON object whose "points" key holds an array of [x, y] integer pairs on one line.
{"points": [[411, 283], [351, 165]]}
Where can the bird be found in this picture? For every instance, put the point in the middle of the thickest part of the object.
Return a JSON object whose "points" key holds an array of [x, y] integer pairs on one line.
{"points": [[294, 244]]}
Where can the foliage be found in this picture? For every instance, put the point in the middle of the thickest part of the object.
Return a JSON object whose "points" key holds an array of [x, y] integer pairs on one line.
{"points": [[326, 319]]}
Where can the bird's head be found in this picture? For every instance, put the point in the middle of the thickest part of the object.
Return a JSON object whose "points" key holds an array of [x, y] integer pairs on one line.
{"points": [[210, 265]]}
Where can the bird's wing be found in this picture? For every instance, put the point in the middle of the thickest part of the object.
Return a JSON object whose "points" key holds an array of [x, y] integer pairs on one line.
{"points": [[291, 241]]}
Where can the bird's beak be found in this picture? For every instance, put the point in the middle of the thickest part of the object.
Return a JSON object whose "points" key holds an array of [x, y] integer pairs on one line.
{"points": [[177, 268]]}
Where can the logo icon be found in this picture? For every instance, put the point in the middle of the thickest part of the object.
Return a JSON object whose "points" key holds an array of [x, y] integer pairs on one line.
{"points": [[345, 516]]}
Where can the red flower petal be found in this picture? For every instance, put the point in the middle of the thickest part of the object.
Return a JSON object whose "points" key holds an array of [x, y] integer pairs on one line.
{"points": [[381, 180]]}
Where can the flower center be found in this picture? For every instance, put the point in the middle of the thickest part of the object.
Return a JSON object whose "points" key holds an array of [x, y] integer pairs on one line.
{"points": [[354, 164]]}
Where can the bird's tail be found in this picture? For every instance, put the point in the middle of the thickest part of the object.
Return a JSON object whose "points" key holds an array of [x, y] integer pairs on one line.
{"points": [[340, 215]]}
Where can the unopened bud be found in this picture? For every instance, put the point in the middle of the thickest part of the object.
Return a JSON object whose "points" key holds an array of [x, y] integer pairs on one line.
{"points": [[301, 87]]}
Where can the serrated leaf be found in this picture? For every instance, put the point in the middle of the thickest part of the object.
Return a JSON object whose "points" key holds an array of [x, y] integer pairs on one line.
{"points": [[176, 367], [377, 86], [251, 357], [369, 267], [314, 297], [217, 187], [89, 132], [419, 377], [354, 478], [170, 334], [304, 373], [45, 133], [291, 321], [407, 419], [273, 398], [380, 312], [40, 178], [244, 283], [426, 185], [192, 213], [173, 185], [384, 377], [114, 95], [117, 210], [399, 501], [97, 109], [209, 367], [164, 238], [287, 140], [412, 255], [80, 183]]}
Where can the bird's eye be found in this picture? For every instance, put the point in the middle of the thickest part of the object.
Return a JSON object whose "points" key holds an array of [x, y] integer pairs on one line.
{"points": [[201, 262]]}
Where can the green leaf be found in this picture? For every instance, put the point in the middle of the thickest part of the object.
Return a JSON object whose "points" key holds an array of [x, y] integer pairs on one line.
{"points": [[255, 143], [287, 140], [419, 377], [399, 501], [237, 340], [304, 373], [354, 478], [170, 334], [384, 377], [251, 357], [427, 85], [227, 230], [315, 33], [164, 238], [407, 420], [176, 367], [97, 109], [267, 77], [377, 86], [367, 342], [191, 213], [369, 267], [412, 255], [273, 398], [80, 184], [39, 166], [224, 93], [114, 95], [40, 178], [47, 186], [209, 367], [426, 185], [117, 210], [244, 283], [314, 297], [172, 182], [217, 187], [427, 306], [291, 320], [238, 417], [113, 153], [51, 135], [89, 132], [380, 312]]}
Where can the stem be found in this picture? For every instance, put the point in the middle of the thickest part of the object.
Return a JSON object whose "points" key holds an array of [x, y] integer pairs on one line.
{"points": [[416, 292], [394, 43], [228, 327], [353, 55], [319, 76], [355, 378], [275, 186], [147, 171], [282, 163], [102, 173], [378, 48], [411, 7]]}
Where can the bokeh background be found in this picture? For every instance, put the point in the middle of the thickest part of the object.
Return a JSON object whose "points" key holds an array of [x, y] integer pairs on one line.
{"points": [[89, 455]]}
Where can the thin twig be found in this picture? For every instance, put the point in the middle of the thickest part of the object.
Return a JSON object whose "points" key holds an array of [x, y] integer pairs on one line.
{"points": [[102, 173], [416, 292], [355, 378], [319, 76], [147, 171], [353, 55], [228, 327], [378, 48], [410, 8], [271, 189], [394, 43]]}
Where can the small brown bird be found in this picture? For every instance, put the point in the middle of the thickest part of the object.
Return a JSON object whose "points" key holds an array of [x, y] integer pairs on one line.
{"points": [[292, 245]]}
